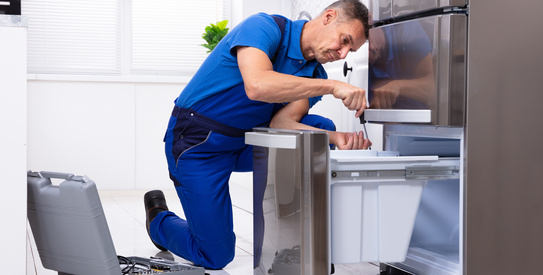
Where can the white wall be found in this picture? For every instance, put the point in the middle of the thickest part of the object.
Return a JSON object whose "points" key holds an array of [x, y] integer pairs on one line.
{"points": [[241, 9], [109, 131]]}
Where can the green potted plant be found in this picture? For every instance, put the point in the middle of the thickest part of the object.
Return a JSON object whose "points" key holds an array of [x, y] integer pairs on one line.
{"points": [[213, 34]]}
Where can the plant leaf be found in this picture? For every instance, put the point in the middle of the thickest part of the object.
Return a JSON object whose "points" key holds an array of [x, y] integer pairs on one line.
{"points": [[222, 24], [214, 34]]}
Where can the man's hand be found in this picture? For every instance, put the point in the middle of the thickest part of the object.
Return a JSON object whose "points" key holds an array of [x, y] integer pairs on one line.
{"points": [[349, 141], [354, 98], [385, 96]]}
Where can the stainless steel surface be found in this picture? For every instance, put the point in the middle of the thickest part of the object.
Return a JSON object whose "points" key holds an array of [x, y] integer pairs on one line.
{"points": [[383, 10], [501, 211], [430, 262], [296, 202], [316, 204], [418, 172], [504, 151], [405, 116], [272, 140], [409, 7], [432, 172], [426, 58], [451, 74], [380, 10]]}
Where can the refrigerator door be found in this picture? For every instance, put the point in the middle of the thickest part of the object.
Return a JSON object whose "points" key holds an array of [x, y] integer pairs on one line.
{"points": [[290, 203], [417, 71], [409, 7]]}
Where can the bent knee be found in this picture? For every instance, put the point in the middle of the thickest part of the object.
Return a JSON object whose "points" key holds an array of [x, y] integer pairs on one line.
{"points": [[218, 254]]}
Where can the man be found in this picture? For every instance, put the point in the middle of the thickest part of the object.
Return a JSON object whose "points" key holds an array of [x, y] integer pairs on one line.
{"points": [[260, 74]]}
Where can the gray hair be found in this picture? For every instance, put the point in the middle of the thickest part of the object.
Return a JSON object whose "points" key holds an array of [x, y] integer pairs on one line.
{"points": [[352, 10]]}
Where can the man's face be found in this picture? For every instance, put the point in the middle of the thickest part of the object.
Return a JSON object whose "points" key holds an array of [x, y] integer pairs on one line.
{"points": [[338, 39]]}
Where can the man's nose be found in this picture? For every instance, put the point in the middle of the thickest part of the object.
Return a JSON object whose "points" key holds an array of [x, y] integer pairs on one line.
{"points": [[343, 52]]}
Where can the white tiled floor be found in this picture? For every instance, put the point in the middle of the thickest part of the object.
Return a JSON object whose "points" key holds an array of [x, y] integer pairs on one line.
{"points": [[125, 214]]}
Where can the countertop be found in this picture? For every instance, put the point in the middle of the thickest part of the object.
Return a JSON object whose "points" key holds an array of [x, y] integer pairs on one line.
{"points": [[13, 21]]}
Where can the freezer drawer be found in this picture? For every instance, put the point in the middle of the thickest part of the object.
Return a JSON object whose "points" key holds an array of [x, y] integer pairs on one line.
{"points": [[374, 201]]}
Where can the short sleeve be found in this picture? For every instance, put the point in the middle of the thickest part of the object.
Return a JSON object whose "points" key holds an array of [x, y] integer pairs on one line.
{"points": [[258, 31]]}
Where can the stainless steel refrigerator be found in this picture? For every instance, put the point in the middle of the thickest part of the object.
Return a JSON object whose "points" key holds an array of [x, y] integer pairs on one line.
{"points": [[456, 86], [486, 63]]}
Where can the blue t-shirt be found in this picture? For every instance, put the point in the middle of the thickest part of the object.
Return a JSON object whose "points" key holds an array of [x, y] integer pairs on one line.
{"points": [[216, 90]]}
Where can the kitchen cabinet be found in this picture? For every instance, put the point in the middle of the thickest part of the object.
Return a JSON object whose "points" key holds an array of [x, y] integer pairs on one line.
{"points": [[13, 140]]}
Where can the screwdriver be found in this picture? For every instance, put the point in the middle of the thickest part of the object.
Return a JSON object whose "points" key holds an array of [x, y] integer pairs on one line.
{"points": [[363, 122]]}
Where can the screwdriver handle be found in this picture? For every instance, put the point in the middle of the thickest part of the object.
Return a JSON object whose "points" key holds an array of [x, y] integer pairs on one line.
{"points": [[362, 119], [363, 122]]}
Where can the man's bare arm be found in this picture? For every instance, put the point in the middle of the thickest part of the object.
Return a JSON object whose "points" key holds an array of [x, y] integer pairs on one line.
{"points": [[289, 117], [264, 84]]}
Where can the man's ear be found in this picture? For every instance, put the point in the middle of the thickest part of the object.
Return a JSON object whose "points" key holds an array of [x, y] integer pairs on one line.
{"points": [[329, 16]]}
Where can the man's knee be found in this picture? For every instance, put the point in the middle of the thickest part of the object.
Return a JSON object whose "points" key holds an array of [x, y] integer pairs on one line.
{"points": [[218, 254]]}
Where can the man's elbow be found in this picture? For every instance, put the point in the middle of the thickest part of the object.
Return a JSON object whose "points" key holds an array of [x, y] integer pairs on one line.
{"points": [[253, 89]]}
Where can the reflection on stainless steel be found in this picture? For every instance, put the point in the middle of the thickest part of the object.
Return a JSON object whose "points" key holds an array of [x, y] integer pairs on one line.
{"points": [[401, 67], [380, 10], [404, 72], [409, 7], [294, 213], [383, 10]]}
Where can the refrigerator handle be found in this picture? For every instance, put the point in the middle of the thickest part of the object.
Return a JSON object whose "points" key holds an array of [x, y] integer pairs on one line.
{"points": [[280, 141]]}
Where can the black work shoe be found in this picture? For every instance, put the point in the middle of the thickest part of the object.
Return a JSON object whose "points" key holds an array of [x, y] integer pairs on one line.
{"points": [[154, 203]]}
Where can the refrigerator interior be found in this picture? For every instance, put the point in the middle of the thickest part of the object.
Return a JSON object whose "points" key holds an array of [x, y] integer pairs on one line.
{"points": [[436, 242]]}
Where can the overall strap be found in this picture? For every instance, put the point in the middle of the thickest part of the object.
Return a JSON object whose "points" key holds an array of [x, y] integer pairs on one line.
{"points": [[280, 21]]}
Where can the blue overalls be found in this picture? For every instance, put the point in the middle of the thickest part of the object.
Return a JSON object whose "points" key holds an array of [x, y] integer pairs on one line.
{"points": [[203, 149]]}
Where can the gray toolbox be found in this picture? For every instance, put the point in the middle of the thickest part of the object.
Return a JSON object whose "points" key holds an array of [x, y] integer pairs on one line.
{"points": [[71, 231]]}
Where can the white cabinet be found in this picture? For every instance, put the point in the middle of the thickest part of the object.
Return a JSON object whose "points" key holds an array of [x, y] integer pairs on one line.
{"points": [[13, 140]]}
